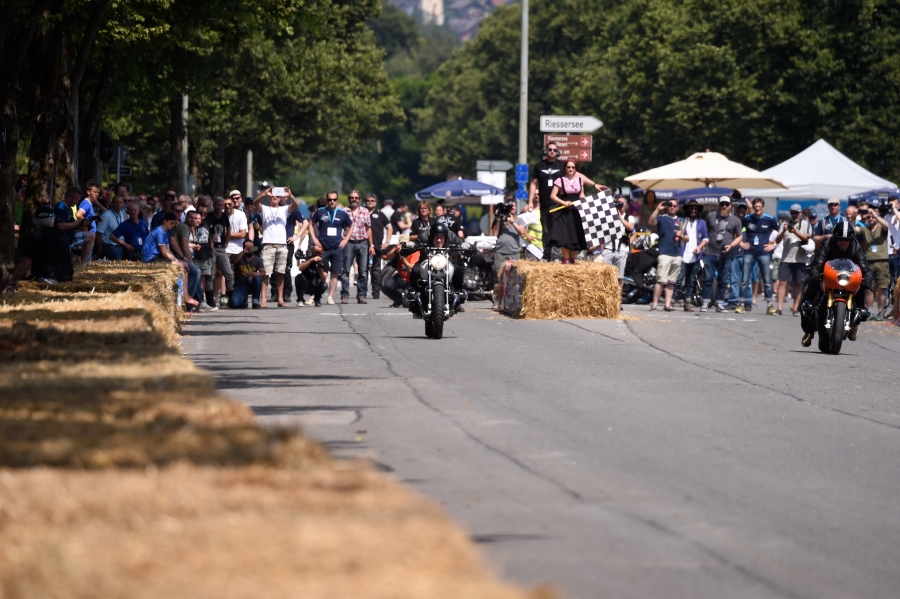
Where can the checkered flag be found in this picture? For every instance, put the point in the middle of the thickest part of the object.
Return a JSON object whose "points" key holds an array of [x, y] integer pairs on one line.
{"points": [[599, 218]]}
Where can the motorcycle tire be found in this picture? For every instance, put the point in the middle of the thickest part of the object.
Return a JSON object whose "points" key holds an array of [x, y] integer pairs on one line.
{"points": [[837, 328], [437, 310], [429, 329]]}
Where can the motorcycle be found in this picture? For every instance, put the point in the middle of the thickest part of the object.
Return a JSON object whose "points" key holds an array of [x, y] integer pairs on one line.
{"points": [[835, 313], [478, 272], [433, 298], [640, 269]]}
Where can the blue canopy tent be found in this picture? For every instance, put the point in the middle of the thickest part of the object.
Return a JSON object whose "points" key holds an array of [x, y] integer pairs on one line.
{"points": [[873, 195], [705, 196], [458, 190]]}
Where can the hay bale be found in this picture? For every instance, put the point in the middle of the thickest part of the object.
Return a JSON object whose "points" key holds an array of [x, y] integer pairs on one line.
{"points": [[551, 291]]}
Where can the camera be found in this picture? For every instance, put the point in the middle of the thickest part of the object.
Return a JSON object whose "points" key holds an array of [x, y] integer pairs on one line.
{"points": [[736, 196], [504, 209], [94, 219], [884, 207]]}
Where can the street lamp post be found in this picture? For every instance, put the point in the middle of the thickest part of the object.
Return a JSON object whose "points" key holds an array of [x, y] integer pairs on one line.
{"points": [[523, 89]]}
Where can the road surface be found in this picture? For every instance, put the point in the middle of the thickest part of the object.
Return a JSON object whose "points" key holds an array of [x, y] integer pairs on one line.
{"points": [[666, 455]]}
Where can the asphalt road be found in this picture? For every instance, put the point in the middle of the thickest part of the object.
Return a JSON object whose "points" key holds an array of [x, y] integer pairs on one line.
{"points": [[666, 455]]}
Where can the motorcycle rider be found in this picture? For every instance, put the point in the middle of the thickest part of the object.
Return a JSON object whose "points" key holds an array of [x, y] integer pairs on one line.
{"points": [[841, 244], [438, 237]]}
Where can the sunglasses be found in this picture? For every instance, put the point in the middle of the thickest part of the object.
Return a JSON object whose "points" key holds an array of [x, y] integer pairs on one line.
{"points": [[570, 168], [554, 150], [863, 212], [332, 199], [370, 201], [353, 198]]}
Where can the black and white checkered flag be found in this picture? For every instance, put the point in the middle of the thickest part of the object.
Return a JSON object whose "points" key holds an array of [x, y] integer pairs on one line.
{"points": [[599, 218]]}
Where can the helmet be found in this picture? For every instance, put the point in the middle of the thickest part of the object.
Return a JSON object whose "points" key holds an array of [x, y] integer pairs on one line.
{"points": [[843, 231], [439, 229]]}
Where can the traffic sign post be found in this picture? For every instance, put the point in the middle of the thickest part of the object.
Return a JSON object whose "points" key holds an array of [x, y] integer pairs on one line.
{"points": [[492, 165], [122, 171], [569, 124]]}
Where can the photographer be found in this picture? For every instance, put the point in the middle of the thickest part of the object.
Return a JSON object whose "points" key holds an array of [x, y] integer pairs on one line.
{"points": [[874, 237], [671, 239], [248, 277], [312, 277], [894, 237], [73, 223], [792, 270], [509, 234], [45, 251], [616, 252]]}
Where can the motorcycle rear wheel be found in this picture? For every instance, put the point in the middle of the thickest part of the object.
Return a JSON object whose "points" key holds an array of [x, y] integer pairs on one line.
{"points": [[437, 311]]}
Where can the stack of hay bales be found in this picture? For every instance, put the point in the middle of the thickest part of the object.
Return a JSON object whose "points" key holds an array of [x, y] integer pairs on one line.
{"points": [[551, 291]]}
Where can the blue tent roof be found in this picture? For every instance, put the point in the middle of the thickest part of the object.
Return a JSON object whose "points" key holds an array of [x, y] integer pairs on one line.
{"points": [[458, 188]]}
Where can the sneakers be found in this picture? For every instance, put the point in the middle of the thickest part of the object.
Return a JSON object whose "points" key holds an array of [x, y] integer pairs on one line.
{"points": [[807, 339], [720, 308], [795, 312], [777, 312], [311, 301], [739, 309], [770, 310], [879, 317], [300, 303], [330, 301], [256, 304], [361, 300], [204, 307], [704, 307], [854, 331]]}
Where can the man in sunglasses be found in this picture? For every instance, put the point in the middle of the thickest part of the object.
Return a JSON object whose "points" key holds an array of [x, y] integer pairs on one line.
{"points": [[358, 250], [330, 231]]}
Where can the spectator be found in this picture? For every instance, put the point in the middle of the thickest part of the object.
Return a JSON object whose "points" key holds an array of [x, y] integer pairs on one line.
{"points": [[45, 251], [70, 218], [693, 231], [129, 237], [201, 246], [274, 239], [616, 252], [109, 222], [401, 219], [381, 234], [852, 215], [312, 278], [152, 207], [180, 245], [509, 238], [92, 208], [758, 249], [544, 173], [238, 229], [824, 227], [296, 228], [157, 248], [220, 232], [648, 207], [422, 224], [396, 274], [165, 206], [330, 230], [671, 238], [795, 234], [894, 235], [358, 249], [737, 263], [187, 205], [567, 230], [388, 209], [249, 274], [874, 237], [454, 224], [724, 236]]}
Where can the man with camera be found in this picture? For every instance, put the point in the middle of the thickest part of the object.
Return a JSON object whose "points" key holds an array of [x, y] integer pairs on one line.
{"points": [[894, 237], [509, 234], [724, 236], [671, 239], [874, 237], [792, 271], [616, 252], [312, 277], [274, 237], [248, 277]]}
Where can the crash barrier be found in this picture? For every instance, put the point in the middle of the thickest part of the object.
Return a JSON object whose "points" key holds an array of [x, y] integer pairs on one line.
{"points": [[124, 473], [553, 291]]}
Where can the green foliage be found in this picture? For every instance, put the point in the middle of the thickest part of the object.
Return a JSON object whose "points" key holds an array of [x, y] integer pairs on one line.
{"points": [[757, 80]]}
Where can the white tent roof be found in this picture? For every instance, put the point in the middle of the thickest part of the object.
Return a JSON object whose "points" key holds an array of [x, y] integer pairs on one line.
{"points": [[819, 172]]}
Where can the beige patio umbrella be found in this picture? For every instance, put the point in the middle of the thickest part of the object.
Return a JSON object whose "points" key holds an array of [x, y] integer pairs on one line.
{"points": [[703, 169]]}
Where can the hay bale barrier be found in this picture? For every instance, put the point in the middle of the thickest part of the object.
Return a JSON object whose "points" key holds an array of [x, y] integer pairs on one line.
{"points": [[123, 474], [552, 291]]}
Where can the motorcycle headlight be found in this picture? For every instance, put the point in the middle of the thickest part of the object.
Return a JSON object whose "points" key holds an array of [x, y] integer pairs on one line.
{"points": [[438, 262], [843, 279]]}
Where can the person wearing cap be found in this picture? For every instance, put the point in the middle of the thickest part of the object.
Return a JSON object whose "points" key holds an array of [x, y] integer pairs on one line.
{"points": [[695, 232], [381, 234], [825, 225], [758, 248], [671, 239], [792, 270], [237, 221], [45, 251], [724, 237]]}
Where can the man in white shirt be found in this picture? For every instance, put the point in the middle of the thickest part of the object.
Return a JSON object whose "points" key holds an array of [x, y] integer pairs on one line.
{"points": [[274, 239], [238, 221], [388, 208], [893, 219], [109, 222]]}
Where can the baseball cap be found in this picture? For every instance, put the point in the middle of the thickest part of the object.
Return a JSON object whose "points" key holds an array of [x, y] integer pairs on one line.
{"points": [[833, 201], [389, 202], [796, 208], [724, 200], [234, 192]]}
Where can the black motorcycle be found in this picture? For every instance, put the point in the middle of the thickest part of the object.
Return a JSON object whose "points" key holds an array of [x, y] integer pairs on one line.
{"points": [[432, 297]]}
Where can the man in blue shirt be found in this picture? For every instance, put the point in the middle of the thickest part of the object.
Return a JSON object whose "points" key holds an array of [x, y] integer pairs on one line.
{"points": [[71, 219], [824, 227], [330, 231], [671, 238], [109, 222], [758, 228], [131, 234], [156, 247]]}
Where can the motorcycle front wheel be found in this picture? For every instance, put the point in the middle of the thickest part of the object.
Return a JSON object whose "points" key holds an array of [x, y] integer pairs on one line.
{"points": [[437, 311], [837, 328]]}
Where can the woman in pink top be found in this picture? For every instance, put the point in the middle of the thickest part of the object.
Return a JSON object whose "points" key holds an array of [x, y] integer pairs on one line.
{"points": [[565, 225]]}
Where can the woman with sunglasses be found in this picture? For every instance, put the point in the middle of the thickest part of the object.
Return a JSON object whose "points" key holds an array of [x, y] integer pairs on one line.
{"points": [[422, 225], [565, 224]]}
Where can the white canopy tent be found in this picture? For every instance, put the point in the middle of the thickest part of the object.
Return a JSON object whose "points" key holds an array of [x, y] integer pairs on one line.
{"points": [[820, 172]]}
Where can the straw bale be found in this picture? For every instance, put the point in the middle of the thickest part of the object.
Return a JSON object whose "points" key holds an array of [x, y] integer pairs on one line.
{"points": [[338, 531], [551, 291]]}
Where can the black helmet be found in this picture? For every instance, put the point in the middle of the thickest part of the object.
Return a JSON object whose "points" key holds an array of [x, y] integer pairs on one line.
{"points": [[843, 231], [439, 229]]}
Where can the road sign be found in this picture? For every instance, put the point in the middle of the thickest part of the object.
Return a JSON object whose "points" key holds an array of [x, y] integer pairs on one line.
{"points": [[569, 124], [492, 165], [572, 146], [522, 168], [124, 171], [521, 177], [521, 195]]}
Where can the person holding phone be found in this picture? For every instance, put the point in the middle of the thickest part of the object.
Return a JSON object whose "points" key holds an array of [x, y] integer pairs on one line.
{"points": [[671, 239], [274, 238]]}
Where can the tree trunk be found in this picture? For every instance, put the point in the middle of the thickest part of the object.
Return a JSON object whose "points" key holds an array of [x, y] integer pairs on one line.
{"points": [[90, 121], [176, 138], [218, 170]]}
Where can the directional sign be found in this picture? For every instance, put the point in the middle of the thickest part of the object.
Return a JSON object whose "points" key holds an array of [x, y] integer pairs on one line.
{"points": [[492, 165], [521, 195], [572, 146], [521, 177], [124, 171], [569, 124]]}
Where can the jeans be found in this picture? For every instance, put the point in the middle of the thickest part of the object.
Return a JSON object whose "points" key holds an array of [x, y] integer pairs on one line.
{"points": [[737, 273], [358, 251], [763, 260], [239, 294], [112, 251], [716, 268], [687, 277], [376, 273], [310, 285], [194, 288]]}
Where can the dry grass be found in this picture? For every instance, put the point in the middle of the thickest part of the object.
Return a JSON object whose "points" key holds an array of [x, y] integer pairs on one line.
{"points": [[550, 291]]}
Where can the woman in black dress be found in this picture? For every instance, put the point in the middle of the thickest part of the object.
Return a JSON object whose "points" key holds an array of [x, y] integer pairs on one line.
{"points": [[565, 225], [422, 225]]}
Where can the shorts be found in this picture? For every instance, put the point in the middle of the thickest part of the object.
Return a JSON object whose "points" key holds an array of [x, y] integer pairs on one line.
{"points": [[668, 269], [205, 266], [274, 257], [617, 259], [79, 240], [333, 261], [881, 269], [792, 272]]}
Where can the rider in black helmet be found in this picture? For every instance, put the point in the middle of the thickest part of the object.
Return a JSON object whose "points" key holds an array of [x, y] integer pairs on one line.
{"points": [[438, 237], [842, 244]]}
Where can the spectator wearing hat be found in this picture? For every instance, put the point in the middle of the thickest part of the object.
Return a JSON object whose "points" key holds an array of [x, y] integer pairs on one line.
{"points": [[724, 236], [45, 251], [758, 248], [695, 232], [824, 227], [794, 234]]}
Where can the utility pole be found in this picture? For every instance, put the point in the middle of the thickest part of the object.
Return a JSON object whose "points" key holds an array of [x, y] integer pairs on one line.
{"points": [[523, 89], [250, 193], [184, 144]]}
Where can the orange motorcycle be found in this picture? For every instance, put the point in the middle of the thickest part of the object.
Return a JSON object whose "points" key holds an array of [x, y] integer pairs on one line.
{"points": [[836, 314]]}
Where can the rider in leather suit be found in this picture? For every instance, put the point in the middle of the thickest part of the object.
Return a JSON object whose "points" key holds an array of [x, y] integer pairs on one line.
{"points": [[438, 236], [842, 244]]}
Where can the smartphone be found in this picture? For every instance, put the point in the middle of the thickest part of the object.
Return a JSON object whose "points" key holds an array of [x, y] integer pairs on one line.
{"points": [[279, 191]]}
